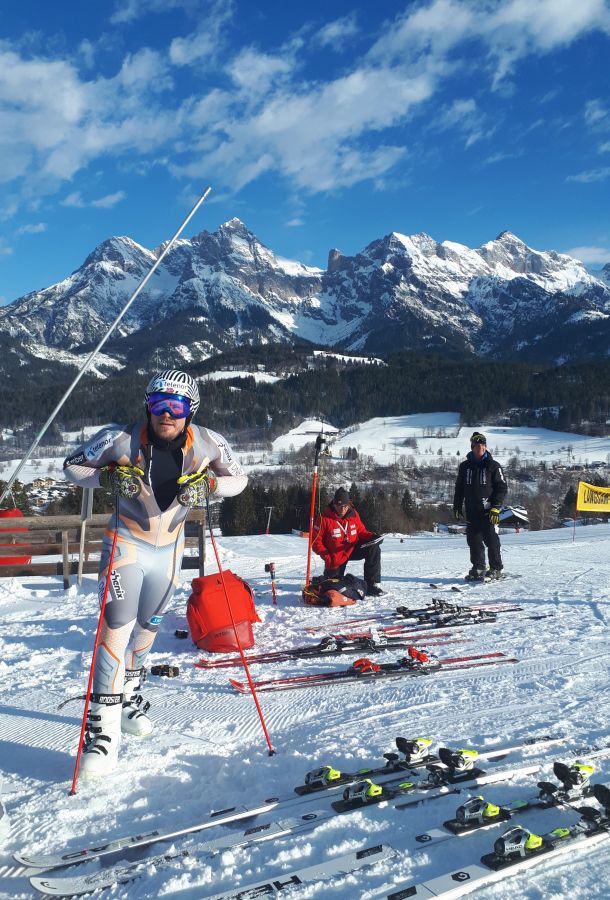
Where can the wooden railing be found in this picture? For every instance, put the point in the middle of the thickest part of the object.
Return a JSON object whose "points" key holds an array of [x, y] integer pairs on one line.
{"points": [[78, 541]]}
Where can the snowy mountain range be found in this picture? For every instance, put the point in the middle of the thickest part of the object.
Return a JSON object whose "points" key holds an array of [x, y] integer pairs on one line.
{"points": [[225, 288]]}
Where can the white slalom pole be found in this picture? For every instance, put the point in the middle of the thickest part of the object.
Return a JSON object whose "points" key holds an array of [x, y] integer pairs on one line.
{"points": [[97, 349]]}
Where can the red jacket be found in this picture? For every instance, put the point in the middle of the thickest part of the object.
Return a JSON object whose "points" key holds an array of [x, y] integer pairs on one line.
{"points": [[335, 536]]}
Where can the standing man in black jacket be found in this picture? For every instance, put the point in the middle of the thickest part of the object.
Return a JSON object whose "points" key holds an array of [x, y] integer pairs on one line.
{"points": [[481, 485]]}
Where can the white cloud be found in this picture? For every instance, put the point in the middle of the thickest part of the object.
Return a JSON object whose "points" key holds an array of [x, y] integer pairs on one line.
{"points": [[604, 148], [501, 157], [596, 115], [336, 34], [590, 255], [257, 72], [508, 30], [129, 10], [109, 200], [464, 116], [5, 250], [319, 134], [75, 199], [295, 223], [591, 175], [86, 51], [36, 228], [206, 43], [52, 123], [312, 136]]}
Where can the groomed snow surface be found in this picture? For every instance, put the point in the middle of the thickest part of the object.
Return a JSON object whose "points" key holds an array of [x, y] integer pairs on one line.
{"points": [[208, 752]]}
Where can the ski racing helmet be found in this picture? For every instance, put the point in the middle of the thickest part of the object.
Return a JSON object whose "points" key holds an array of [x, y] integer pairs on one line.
{"points": [[173, 381]]}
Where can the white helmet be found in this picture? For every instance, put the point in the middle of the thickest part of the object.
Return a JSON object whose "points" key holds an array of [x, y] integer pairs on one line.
{"points": [[173, 381]]}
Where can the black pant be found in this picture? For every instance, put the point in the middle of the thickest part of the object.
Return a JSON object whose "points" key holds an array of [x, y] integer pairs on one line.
{"points": [[480, 533], [372, 564]]}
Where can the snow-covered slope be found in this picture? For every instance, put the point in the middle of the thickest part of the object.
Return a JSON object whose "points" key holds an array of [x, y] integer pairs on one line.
{"points": [[208, 751]]}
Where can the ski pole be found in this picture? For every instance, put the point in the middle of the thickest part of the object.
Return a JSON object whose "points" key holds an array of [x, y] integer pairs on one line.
{"points": [[101, 343], [95, 647], [239, 646], [319, 442], [270, 567]]}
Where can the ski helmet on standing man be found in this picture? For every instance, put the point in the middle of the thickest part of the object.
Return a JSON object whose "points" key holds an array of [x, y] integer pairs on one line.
{"points": [[173, 381]]}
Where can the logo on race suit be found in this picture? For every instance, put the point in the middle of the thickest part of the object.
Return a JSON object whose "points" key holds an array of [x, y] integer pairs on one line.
{"points": [[98, 448], [226, 455], [115, 580], [76, 460], [156, 620]]}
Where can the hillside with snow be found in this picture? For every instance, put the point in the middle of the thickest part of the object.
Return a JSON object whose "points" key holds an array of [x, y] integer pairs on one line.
{"points": [[208, 751], [426, 439], [224, 289]]}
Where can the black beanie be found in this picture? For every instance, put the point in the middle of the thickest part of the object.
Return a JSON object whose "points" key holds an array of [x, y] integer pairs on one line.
{"points": [[341, 496]]}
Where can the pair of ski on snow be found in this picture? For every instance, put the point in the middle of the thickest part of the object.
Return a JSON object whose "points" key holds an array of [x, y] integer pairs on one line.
{"points": [[516, 850], [118, 874], [415, 663]]}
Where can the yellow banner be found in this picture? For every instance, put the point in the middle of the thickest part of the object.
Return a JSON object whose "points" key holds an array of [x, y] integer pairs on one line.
{"points": [[592, 498]]}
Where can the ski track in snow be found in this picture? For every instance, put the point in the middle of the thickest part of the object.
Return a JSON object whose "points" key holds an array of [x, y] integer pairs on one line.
{"points": [[208, 751]]}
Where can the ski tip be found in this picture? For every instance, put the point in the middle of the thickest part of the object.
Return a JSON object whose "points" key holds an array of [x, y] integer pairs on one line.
{"points": [[237, 685]]}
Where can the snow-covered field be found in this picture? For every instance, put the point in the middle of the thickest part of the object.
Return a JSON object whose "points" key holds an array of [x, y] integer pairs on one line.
{"points": [[208, 751], [259, 377], [438, 436]]}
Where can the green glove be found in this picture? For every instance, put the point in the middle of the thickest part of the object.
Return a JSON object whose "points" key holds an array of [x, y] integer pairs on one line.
{"points": [[494, 515], [457, 513], [195, 489], [122, 481]]}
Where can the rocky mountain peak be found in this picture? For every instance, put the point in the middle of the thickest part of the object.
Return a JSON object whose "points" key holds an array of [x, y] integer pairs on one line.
{"points": [[121, 252], [226, 288], [236, 227]]}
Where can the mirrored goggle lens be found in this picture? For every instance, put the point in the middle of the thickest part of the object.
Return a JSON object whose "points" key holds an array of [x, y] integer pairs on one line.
{"points": [[178, 407]]}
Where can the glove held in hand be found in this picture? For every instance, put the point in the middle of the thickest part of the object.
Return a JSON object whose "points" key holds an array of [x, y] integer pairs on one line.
{"points": [[194, 490], [121, 481], [494, 515]]}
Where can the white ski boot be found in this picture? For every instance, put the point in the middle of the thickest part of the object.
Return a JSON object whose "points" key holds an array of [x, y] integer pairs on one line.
{"points": [[101, 748], [134, 719]]}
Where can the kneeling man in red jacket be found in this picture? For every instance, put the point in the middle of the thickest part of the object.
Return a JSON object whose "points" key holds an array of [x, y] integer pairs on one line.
{"points": [[339, 536]]}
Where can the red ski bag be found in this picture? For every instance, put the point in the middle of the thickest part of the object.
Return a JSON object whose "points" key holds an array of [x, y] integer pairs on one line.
{"points": [[208, 615]]}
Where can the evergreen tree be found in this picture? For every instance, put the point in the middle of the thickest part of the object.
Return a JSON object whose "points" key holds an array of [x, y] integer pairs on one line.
{"points": [[407, 504], [567, 510]]}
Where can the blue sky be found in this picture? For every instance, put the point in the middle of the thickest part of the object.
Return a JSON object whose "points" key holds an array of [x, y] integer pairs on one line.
{"points": [[319, 125]]}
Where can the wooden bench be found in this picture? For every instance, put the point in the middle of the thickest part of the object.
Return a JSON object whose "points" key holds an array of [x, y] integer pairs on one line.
{"points": [[76, 539]]}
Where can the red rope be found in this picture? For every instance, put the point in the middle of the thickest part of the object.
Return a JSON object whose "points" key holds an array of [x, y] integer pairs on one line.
{"points": [[93, 658], [239, 646]]}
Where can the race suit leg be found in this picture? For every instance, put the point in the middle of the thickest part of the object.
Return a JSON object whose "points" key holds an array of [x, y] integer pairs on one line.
{"points": [[474, 536], [143, 580], [160, 582]]}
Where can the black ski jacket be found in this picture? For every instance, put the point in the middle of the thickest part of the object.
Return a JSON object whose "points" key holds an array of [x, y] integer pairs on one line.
{"points": [[480, 485]]}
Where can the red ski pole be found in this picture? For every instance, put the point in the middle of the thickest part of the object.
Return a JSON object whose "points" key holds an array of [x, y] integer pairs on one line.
{"points": [[95, 647], [319, 442], [239, 646]]}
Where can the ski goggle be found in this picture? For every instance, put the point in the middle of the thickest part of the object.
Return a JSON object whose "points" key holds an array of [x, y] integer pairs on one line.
{"points": [[178, 407]]}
